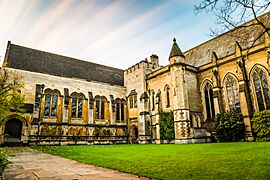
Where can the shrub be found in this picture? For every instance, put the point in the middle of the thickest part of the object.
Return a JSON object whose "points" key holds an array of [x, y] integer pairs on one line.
{"points": [[261, 125], [230, 127], [3, 162], [166, 123]]}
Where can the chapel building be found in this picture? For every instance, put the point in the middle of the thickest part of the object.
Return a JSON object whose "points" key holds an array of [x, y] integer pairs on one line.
{"points": [[70, 101]]}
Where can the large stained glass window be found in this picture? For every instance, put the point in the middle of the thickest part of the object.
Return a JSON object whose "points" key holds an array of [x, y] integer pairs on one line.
{"points": [[261, 88], [209, 101], [51, 100], [232, 93]]}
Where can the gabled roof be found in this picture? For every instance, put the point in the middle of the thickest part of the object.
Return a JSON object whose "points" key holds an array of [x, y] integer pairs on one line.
{"points": [[28, 59], [175, 51]]}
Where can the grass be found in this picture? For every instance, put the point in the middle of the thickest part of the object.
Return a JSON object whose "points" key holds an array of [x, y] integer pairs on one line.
{"points": [[190, 161]]}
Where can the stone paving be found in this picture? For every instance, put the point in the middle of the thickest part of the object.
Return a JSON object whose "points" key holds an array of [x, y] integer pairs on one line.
{"points": [[36, 165]]}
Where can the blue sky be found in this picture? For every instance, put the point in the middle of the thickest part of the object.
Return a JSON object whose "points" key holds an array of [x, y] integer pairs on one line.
{"points": [[117, 33]]}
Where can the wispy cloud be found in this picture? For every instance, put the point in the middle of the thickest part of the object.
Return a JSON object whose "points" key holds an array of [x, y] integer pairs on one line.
{"points": [[116, 33]]}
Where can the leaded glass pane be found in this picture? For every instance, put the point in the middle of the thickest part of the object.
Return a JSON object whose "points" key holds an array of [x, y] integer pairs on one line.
{"points": [[266, 91], [97, 109], [122, 111], [259, 96], [54, 105], [47, 105], [135, 101], [207, 105], [117, 112], [168, 97], [80, 104], [74, 107], [102, 110], [131, 102], [230, 96], [212, 102]]}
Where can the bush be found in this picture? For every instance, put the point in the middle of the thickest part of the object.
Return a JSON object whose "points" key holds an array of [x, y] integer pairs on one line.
{"points": [[261, 125], [3, 162], [166, 123], [230, 127]]}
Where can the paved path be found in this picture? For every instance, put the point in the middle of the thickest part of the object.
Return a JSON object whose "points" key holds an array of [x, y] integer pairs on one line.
{"points": [[37, 165]]}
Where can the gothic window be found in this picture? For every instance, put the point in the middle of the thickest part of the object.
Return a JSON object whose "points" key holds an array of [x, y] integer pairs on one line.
{"points": [[100, 107], [232, 93], [120, 110], [209, 101], [261, 88], [51, 100], [77, 105], [153, 100], [167, 89], [133, 101]]}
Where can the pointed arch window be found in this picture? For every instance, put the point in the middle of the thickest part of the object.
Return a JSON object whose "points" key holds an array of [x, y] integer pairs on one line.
{"points": [[261, 88], [158, 99], [167, 89], [209, 101], [77, 105], [51, 101], [100, 107], [232, 93]]}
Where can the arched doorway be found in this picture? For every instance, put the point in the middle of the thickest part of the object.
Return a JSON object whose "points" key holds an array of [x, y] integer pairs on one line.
{"points": [[13, 130], [134, 135]]}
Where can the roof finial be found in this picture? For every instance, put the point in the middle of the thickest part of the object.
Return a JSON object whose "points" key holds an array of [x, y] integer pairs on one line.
{"points": [[174, 40]]}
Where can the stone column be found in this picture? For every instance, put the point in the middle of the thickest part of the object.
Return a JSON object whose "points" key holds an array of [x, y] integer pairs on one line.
{"points": [[144, 137], [245, 109]]}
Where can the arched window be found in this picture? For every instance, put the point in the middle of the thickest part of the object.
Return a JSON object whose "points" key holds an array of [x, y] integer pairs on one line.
{"points": [[153, 100], [120, 110], [100, 107], [51, 101], [167, 89], [232, 93], [132, 99], [261, 88], [209, 101], [77, 105]]}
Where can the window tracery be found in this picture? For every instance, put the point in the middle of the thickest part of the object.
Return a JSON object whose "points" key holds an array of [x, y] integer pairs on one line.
{"points": [[209, 101], [232, 93], [77, 105], [51, 101]]}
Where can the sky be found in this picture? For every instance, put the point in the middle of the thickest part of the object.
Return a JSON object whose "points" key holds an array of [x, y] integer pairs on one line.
{"points": [[117, 33]]}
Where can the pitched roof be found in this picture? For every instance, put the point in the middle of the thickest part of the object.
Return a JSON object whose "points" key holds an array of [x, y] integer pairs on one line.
{"points": [[175, 51], [28, 59]]}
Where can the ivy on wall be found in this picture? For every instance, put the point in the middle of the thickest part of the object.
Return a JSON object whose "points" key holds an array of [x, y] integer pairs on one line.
{"points": [[166, 123]]}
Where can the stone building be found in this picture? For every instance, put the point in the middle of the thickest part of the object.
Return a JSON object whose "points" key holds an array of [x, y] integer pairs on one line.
{"points": [[70, 101]]}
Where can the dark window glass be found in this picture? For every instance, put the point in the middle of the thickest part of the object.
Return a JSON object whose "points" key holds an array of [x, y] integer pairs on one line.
{"points": [[207, 105], [80, 104], [47, 105], [102, 109], [212, 102], [74, 107], [117, 112], [131, 102], [266, 91], [168, 97], [122, 111], [54, 105], [258, 90], [97, 109], [135, 101]]}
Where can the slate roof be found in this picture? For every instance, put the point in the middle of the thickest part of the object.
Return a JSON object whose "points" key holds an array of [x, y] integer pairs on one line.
{"points": [[28, 59], [175, 51]]}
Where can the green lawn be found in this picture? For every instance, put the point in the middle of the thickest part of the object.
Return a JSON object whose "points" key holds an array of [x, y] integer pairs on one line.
{"points": [[190, 161]]}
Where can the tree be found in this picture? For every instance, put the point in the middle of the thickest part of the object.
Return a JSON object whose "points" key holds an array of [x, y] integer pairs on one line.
{"points": [[232, 14], [166, 123], [11, 100]]}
